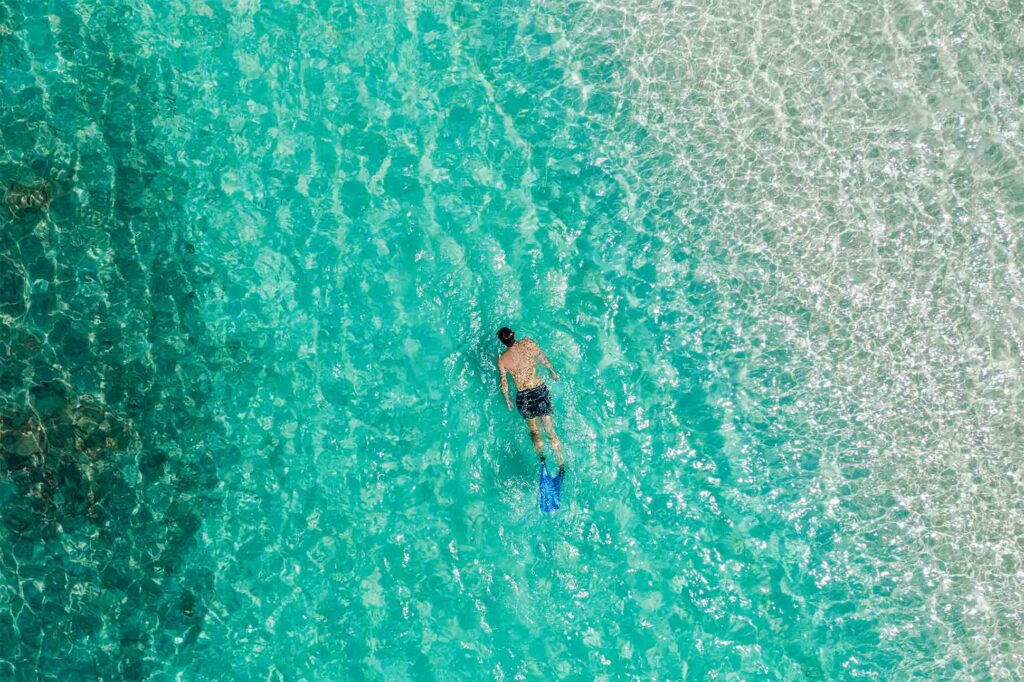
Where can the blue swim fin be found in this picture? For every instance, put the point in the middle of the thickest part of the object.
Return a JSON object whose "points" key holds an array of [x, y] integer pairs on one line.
{"points": [[550, 489]]}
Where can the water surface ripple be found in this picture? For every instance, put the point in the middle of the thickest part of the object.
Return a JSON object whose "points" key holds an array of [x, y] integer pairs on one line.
{"points": [[252, 262]]}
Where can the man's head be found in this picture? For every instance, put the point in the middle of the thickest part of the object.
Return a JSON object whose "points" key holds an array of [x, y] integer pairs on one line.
{"points": [[507, 336]]}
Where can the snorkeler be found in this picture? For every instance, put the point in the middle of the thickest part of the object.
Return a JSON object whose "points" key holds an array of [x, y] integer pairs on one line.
{"points": [[532, 397]]}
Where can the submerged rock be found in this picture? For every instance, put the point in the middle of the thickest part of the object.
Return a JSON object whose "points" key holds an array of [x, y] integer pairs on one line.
{"points": [[35, 196], [24, 442], [65, 454]]}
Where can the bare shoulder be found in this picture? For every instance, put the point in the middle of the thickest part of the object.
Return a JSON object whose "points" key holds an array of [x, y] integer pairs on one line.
{"points": [[531, 345]]}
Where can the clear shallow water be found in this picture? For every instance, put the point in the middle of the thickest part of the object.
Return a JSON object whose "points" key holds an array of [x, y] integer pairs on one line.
{"points": [[250, 419]]}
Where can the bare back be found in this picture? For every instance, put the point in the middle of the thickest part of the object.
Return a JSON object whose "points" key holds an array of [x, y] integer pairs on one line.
{"points": [[521, 362]]}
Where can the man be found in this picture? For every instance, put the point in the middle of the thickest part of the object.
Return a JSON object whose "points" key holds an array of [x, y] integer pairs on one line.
{"points": [[532, 397]]}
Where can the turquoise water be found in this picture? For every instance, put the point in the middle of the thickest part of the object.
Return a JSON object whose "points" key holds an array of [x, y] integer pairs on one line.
{"points": [[250, 419]]}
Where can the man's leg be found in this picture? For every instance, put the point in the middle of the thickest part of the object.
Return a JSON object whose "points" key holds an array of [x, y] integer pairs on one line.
{"points": [[556, 442], [538, 442]]}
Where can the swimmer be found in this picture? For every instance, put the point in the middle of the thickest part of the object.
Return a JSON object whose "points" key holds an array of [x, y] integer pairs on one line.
{"points": [[532, 397]]}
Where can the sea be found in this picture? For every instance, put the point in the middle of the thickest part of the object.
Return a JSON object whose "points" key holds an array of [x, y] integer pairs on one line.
{"points": [[254, 255]]}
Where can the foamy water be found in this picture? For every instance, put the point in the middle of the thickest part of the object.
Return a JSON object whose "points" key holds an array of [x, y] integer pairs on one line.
{"points": [[868, 163]]}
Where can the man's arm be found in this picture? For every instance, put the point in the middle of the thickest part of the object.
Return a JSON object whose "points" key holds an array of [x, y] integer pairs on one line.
{"points": [[547, 363], [504, 384]]}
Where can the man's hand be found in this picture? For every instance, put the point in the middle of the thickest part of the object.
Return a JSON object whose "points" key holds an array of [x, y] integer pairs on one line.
{"points": [[554, 375], [504, 385]]}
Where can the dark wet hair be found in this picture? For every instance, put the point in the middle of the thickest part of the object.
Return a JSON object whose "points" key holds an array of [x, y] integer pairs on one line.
{"points": [[507, 336]]}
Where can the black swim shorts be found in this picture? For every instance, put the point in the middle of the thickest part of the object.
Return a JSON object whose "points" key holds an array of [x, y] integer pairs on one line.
{"points": [[535, 402]]}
